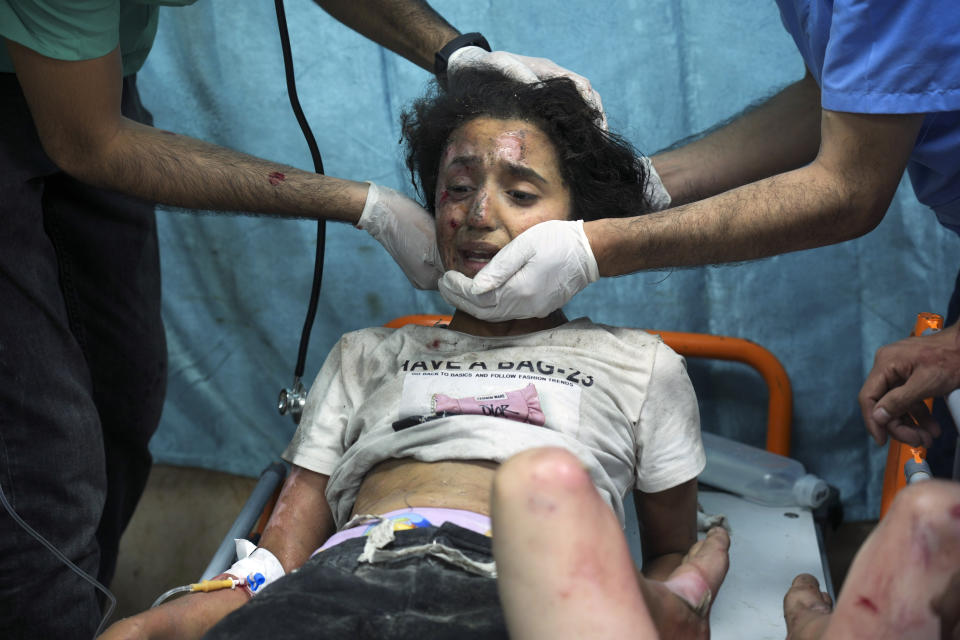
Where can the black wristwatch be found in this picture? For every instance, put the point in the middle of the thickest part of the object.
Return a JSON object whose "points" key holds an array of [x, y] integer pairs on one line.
{"points": [[443, 56]]}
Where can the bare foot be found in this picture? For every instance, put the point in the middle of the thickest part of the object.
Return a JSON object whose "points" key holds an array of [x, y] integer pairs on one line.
{"points": [[806, 609], [680, 606], [905, 563], [699, 577]]}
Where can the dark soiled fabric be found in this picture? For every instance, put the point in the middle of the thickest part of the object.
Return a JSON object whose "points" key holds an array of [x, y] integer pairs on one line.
{"points": [[82, 374], [335, 596]]}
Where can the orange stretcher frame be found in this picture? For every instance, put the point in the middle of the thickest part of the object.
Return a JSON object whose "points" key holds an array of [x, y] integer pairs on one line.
{"points": [[701, 345]]}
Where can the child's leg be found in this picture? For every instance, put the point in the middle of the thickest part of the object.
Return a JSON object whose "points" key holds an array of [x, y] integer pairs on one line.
{"points": [[905, 564], [564, 566]]}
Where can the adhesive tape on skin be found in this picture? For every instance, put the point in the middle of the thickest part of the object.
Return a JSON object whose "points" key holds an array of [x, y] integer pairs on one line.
{"points": [[255, 566]]}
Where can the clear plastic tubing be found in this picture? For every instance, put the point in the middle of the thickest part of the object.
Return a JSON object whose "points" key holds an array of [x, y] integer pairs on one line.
{"points": [[760, 476]]}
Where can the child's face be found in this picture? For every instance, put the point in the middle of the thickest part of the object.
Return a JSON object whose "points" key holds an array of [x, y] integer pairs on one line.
{"points": [[497, 178]]}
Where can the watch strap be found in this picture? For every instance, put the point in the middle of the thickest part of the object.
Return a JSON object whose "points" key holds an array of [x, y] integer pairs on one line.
{"points": [[442, 57]]}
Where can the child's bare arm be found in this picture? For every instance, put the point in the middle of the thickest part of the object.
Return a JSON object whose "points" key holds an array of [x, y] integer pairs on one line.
{"points": [[300, 522], [668, 523]]}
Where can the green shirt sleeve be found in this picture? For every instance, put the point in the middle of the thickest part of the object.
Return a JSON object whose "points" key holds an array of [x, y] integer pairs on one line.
{"points": [[82, 30], [62, 29]]}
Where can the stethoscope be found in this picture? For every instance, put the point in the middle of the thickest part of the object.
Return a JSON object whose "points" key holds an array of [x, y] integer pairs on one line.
{"points": [[293, 398]]}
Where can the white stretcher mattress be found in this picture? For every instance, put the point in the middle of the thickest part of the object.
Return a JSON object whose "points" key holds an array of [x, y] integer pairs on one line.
{"points": [[769, 546]]}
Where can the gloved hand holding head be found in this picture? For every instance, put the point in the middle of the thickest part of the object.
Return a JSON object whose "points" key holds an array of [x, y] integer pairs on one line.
{"points": [[522, 69], [472, 51], [496, 158]]}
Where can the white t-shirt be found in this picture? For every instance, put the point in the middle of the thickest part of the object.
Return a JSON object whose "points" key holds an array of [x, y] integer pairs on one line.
{"points": [[618, 399]]}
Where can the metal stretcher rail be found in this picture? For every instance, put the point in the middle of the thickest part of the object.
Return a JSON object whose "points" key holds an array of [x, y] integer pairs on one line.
{"points": [[252, 518]]}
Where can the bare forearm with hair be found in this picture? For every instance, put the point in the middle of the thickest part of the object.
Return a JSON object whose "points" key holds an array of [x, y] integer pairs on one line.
{"points": [[410, 28], [164, 167], [842, 194], [76, 109], [785, 213], [781, 134]]}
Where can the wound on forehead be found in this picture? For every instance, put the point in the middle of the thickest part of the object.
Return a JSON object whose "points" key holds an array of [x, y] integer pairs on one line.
{"points": [[512, 145]]}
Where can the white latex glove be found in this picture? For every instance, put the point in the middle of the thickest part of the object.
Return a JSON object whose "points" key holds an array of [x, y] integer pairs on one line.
{"points": [[406, 231], [535, 274], [656, 193], [522, 68]]}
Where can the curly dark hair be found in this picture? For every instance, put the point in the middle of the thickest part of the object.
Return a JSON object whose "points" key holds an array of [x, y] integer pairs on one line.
{"points": [[601, 169]]}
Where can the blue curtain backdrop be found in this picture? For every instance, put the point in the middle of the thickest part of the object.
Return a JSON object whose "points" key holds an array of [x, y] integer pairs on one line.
{"points": [[236, 288]]}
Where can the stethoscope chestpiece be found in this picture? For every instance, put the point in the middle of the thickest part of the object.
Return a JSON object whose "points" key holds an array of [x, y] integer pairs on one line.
{"points": [[292, 400]]}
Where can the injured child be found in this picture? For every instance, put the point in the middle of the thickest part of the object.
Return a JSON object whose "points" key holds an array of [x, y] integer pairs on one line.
{"points": [[383, 527]]}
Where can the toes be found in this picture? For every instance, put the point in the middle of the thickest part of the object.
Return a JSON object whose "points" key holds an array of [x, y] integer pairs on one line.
{"points": [[805, 594], [805, 581], [698, 578], [713, 557], [687, 584], [718, 537], [806, 609]]}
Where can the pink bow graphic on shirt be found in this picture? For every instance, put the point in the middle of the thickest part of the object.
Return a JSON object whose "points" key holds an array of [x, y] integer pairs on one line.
{"points": [[522, 405]]}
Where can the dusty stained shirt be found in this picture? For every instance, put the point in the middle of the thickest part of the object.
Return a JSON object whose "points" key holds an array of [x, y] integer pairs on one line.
{"points": [[618, 399]]}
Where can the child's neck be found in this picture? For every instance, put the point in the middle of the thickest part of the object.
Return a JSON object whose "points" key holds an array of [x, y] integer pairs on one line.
{"points": [[465, 323]]}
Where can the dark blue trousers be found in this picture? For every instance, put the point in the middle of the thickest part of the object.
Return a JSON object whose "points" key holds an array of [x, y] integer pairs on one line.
{"points": [[82, 374], [333, 596]]}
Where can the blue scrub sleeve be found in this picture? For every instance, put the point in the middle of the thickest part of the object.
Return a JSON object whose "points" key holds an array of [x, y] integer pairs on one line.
{"points": [[892, 56]]}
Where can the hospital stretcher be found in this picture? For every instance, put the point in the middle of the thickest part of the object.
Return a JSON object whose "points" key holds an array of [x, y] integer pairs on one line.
{"points": [[769, 545]]}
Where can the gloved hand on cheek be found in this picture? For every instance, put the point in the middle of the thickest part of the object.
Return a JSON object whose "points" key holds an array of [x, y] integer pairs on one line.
{"points": [[406, 231], [531, 277]]}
